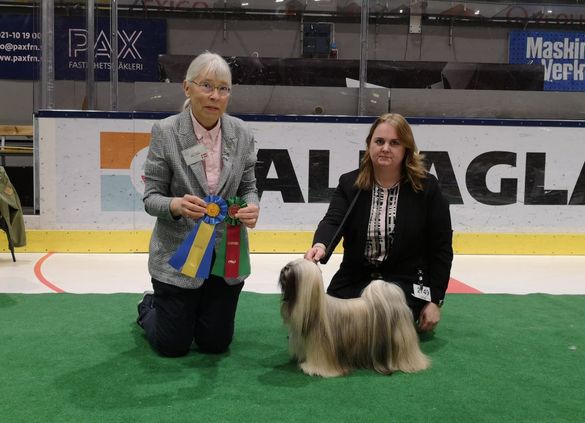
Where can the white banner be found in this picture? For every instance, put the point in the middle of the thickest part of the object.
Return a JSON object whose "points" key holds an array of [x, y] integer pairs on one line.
{"points": [[500, 179]]}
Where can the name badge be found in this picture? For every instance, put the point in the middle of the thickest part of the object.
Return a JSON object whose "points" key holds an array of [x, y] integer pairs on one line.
{"points": [[194, 154], [421, 291]]}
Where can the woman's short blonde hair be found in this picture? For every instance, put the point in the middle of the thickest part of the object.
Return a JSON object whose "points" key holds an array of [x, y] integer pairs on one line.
{"points": [[413, 167]]}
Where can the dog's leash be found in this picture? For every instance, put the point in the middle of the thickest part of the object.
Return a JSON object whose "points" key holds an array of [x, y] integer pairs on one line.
{"points": [[337, 236]]}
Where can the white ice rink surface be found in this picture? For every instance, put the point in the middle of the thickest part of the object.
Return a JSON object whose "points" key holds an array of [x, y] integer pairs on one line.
{"points": [[110, 273]]}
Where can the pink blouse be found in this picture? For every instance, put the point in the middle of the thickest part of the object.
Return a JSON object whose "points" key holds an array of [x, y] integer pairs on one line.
{"points": [[212, 140]]}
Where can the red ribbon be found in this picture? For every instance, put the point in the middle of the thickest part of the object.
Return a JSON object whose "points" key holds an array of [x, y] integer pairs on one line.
{"points": [[232, 251]]}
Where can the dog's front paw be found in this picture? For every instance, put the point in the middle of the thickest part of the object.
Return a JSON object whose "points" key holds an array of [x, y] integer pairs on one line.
{"points": [[323, 371]]}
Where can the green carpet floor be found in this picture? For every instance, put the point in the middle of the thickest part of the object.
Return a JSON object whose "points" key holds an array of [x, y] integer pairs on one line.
{"points": [[81, 358]]}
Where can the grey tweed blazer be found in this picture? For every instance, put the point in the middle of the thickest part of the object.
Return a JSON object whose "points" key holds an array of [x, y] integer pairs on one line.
{"points": [[167, 175]]}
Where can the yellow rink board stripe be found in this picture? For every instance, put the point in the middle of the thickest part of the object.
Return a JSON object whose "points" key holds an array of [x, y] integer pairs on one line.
{"points": [[73, 241]]}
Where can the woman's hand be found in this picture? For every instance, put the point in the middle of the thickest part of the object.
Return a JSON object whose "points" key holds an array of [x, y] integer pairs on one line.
{"points": [[315, 253], [429, 317], [189, 206], [248, 215], [194, 207]]}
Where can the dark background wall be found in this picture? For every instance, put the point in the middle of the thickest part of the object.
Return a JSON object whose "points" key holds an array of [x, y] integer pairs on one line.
{"points": [[460, 43]]}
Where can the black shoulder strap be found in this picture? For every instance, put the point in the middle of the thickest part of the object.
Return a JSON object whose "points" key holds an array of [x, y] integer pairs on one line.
{"points": [[337, 236]]}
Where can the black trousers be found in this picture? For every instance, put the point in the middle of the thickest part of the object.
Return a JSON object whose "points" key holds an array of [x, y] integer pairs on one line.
{"points": [[182, 316]]}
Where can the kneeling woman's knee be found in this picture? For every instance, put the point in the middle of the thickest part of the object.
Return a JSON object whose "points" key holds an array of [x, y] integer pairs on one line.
{"points": [[173, 349]]}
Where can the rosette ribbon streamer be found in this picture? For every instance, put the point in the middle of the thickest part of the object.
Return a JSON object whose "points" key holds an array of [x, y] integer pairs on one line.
{"points": [[233, 256], [193, 257]]}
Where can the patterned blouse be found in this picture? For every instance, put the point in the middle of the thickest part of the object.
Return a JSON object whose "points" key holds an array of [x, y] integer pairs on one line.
{"points": [[382, 219]]}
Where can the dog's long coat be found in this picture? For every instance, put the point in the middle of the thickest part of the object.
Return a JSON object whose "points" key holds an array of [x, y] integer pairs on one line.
{"points": [[330, 336]]}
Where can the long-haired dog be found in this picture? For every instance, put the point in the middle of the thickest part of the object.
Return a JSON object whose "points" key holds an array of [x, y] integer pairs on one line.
{"points": [[330, 336]]}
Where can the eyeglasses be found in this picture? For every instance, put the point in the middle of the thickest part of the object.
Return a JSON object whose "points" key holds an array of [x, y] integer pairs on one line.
{"points": [[207, 88]]}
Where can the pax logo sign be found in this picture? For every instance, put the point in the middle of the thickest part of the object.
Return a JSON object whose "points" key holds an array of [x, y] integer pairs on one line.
{"points": [[139, 43], [103, 48]]}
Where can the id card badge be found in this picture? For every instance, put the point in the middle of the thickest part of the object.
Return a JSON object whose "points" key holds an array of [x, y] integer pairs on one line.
{"points": [[194, 154], [421, 291]]}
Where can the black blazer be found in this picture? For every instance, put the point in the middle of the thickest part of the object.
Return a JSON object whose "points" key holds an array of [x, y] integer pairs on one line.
{"points": [[422, 239]]}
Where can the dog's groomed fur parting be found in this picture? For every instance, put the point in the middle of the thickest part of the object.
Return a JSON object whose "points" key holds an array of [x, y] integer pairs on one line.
{"points": [[330, 336]]}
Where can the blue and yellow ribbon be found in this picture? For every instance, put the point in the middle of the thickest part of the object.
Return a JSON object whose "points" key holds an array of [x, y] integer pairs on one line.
{"points": [[194, 256]]}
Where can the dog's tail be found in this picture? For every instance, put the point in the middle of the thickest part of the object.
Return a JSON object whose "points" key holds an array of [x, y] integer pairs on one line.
{"points": [[392, 327]]}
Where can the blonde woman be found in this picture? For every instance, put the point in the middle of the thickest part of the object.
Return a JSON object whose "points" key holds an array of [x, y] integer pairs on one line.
{"points": [[398, 229]]}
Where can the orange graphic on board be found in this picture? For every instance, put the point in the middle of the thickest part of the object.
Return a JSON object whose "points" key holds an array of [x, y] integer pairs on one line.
{"points": [[117, 149]]}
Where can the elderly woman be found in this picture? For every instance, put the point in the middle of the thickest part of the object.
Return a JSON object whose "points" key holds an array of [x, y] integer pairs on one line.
{"points": [[397, 227], [195, 154]]}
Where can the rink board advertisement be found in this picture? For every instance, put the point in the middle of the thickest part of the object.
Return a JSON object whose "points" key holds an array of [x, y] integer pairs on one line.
{"points": [[498, 179]]}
